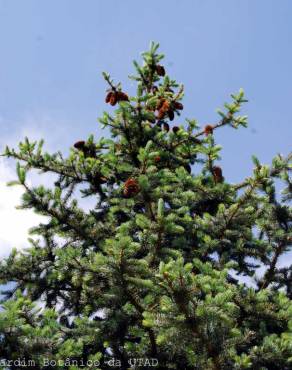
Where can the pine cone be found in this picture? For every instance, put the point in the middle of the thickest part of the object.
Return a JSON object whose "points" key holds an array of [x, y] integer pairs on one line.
{"points": [[89, 151], [171, 114], [161, 114], [113, 98], [163, 108], [178, 105], [160, 70], [208, 130], [217, 173], [121, 96], [131, 188], [160, 104], [80, 145], [108, 97]]}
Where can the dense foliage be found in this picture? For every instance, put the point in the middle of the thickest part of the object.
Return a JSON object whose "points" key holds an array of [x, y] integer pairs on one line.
{"points": [[158, 268]]}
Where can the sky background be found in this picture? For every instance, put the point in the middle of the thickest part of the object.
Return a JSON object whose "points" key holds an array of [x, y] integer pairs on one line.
{"points": [[53, 53]]}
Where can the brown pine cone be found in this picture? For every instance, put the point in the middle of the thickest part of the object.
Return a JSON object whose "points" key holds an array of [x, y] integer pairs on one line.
{"points": [[178, 105], [89, 151], [113, 99], [171, 114], [160, 104], [161, 114], [131, 188], [163, 109], [108, 97], [208, 130], [160, 70], [122, 96], [80, 145], [217, 173], [165, 106]]}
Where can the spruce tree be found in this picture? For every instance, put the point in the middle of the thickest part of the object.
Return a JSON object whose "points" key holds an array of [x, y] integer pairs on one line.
{"points": [[157, 268]]}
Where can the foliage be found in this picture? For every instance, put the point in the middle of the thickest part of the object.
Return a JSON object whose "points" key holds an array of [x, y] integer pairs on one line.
{"points": [[157, 268]]}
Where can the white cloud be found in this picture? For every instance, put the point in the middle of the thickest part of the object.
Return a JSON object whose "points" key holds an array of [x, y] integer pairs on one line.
{"points": [[14, 223]]}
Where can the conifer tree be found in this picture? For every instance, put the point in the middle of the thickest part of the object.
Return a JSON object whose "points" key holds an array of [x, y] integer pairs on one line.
{"points": [[157, 269]]}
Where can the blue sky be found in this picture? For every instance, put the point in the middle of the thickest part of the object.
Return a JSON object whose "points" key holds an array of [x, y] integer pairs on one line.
{"points": [[53, 53]]}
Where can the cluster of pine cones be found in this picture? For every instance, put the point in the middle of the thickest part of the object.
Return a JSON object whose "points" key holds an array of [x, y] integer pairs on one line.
{"points": [[114, 96], [165, 108]]}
